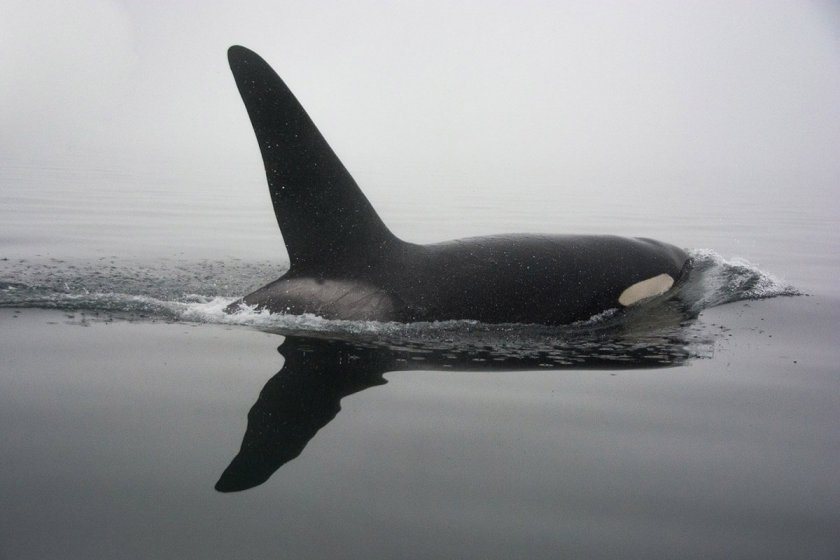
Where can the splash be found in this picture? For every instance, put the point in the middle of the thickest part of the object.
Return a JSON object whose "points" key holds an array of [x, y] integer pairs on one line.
{"points": [[199, 293], [716, 281]]}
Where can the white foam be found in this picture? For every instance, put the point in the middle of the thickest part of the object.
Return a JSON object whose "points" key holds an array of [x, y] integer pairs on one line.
{"points": [[715, 280]]}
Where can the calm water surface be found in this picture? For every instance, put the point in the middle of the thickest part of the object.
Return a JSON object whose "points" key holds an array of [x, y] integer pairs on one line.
{"points": [[125, 392]]}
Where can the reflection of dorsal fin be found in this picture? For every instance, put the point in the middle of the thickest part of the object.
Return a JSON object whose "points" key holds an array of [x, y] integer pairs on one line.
{"points": [[301, 399], [327, 223]]}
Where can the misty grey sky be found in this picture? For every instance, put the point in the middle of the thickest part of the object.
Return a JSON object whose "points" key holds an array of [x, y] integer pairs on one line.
{"points": [[409, 92]]}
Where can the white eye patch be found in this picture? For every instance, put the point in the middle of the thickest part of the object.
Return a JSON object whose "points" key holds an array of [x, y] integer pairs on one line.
{"points": [[645, 289]]}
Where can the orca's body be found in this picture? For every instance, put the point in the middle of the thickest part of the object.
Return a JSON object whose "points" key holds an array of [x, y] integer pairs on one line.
{"points": [[346, 264]]}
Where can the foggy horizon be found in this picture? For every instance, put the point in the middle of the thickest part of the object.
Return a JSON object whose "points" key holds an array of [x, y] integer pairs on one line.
{"points": [[468, 94]]}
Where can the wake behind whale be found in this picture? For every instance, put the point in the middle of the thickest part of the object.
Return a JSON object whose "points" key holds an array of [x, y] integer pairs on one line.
{"points": [[346, 264]]}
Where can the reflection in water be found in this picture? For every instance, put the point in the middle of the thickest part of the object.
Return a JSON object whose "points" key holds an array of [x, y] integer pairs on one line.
{"points": [[304, 396]]}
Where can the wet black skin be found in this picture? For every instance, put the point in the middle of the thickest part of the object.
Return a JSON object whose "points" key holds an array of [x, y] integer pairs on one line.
{"points": [[346, 264], [504, 279]]}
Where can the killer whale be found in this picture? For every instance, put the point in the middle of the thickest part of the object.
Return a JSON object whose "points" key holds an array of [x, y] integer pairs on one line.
{"points": [[346, 264]]}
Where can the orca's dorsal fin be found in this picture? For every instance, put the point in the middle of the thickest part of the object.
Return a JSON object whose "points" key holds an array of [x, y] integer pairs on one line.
{"points": [[327, 223]]}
